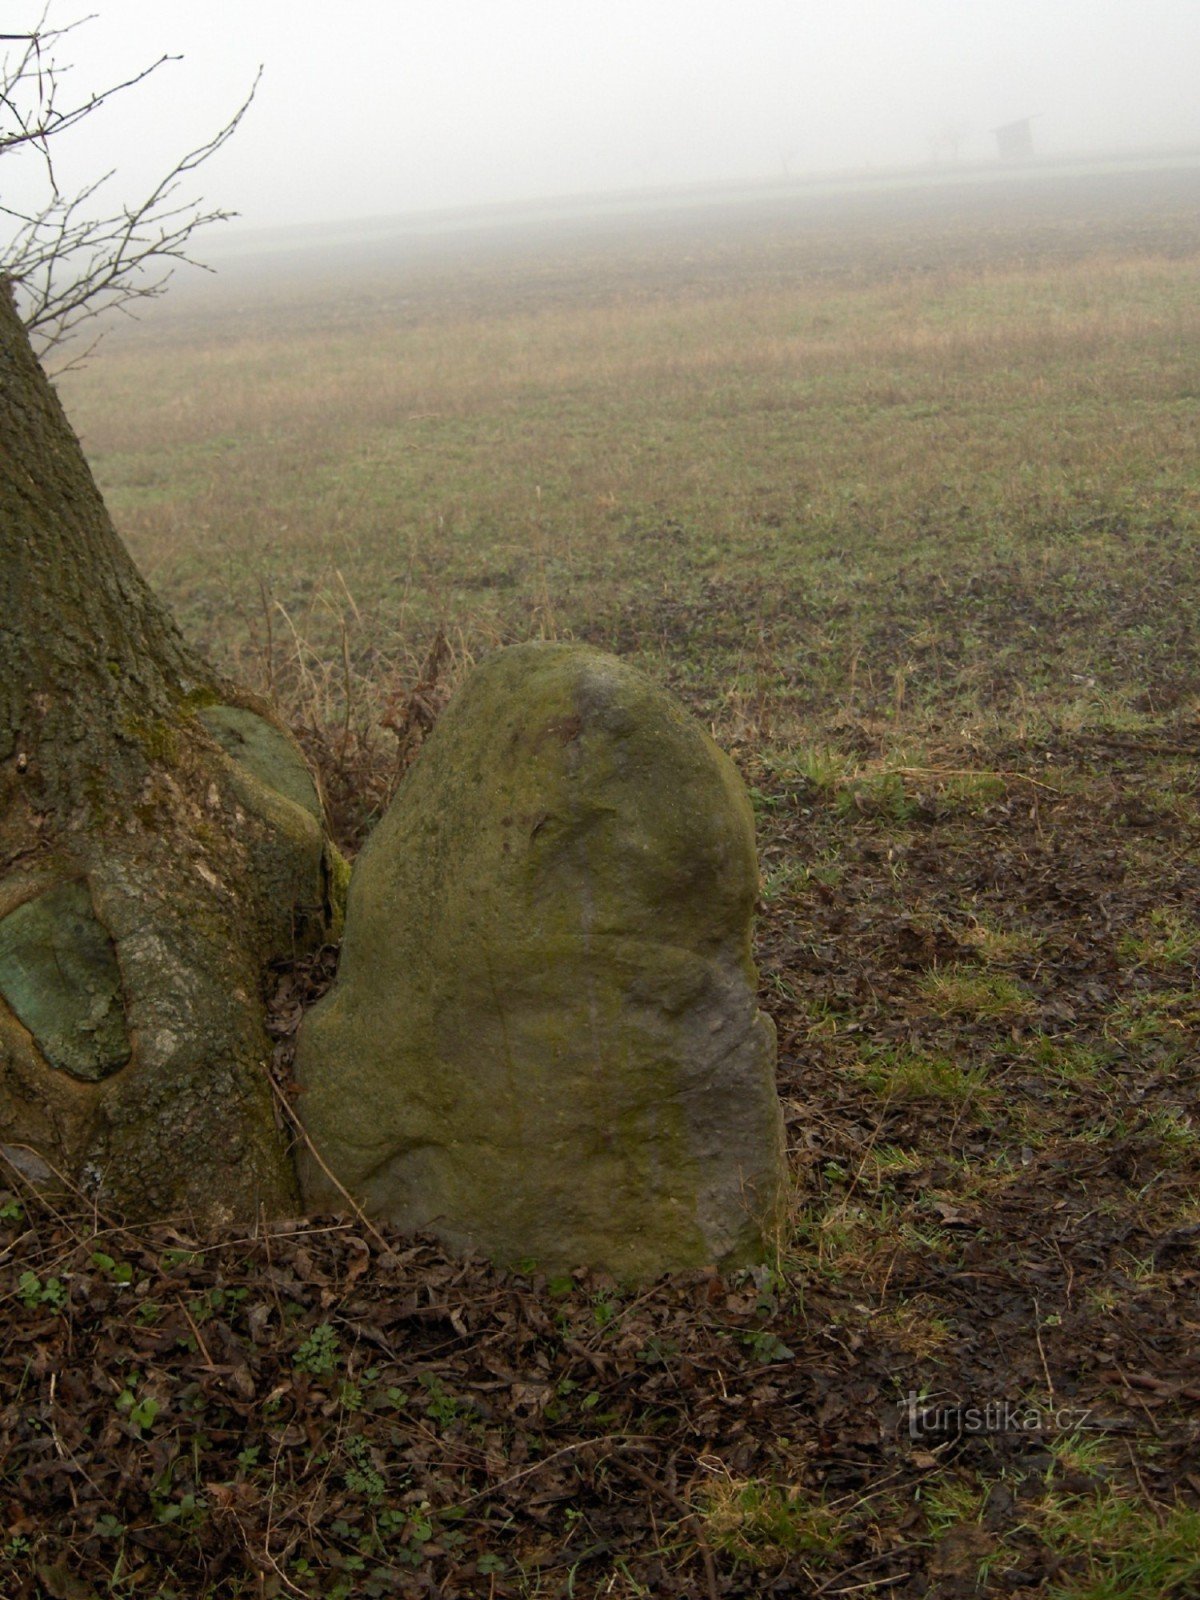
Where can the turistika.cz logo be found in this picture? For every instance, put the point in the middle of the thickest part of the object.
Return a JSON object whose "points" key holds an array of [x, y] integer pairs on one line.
{"points": [[927, 1418]]}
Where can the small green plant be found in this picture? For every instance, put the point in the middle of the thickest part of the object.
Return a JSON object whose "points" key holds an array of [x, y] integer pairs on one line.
{"points": [[890, 1160], [141, 1413], [1065, 1060], [782, 879], [1176, 1131], [973, 791], [362, 1476], [949, 1501], [178, 1258], [915, 1325], [1090, 1453], [658, 1352], [604, 1309], [998, 944], [823, 769], [34, 1293], [187, 1512], [767, 1347], [1151, 1019], [318, 1354], [218, 1300], [12, 1212], [440, 1405], [118, 1271]]}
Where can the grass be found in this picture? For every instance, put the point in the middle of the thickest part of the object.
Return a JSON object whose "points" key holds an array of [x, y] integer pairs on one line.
{"points": [[763, 1524], [1122, 1552], [986, 995], [1169, 940], [996, 944], [905, 1076]]}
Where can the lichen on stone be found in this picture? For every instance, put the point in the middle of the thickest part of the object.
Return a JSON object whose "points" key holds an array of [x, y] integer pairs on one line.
{"points": [[59, 974], [265, 751]]}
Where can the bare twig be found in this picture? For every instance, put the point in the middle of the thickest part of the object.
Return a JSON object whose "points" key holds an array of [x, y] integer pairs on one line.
{"points": [[316, 1155], [72, 256]]}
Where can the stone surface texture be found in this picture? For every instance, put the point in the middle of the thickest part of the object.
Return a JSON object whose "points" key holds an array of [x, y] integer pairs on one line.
{"points": [[543, 1041]]}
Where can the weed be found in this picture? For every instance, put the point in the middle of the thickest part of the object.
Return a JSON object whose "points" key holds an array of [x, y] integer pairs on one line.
{"points": [[319, 1353], [1090, 1454], [141, 1413], [971, 791], [767, 1347], [362, 1476], [886, 1161], [440, 1405], [823, 770], [118, 1271], [916, 1325], [1152, 1018], [35, 1292], [1176, 1132], [781, 880]]}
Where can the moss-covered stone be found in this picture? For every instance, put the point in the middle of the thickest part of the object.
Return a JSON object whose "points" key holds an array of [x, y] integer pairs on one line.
{"points": [[543, 1041], [59, 974]]}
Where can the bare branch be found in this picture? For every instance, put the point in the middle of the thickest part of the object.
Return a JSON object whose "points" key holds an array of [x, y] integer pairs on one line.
{"points": [[70, 258]]}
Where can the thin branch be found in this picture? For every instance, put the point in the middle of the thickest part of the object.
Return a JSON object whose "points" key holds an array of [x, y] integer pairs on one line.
{"points": [[70, 258]]}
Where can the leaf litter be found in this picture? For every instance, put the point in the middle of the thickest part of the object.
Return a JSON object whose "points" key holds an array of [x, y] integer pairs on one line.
{"points": [[987, 1004]]}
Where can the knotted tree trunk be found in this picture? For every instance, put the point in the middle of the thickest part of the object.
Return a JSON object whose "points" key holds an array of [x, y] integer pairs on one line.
{"points": [[161, 841]]}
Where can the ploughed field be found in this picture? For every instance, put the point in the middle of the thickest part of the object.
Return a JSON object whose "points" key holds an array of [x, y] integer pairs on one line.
{"points": [[899, 490]]}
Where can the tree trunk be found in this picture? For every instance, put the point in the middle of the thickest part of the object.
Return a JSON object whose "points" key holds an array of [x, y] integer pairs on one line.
{"points": [[161, 841]]}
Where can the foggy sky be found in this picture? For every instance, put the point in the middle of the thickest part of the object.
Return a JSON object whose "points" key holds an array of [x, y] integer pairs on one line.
{"points": [[369, 108]]}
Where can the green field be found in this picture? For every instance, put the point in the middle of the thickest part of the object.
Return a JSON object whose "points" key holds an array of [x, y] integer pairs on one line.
{"points": [[900, 489]]}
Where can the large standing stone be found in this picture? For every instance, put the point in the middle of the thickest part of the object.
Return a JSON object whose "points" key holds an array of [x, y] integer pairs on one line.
{"points": [[543, 1041]]}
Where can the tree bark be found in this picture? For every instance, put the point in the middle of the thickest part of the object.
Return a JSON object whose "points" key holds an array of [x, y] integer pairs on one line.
{"points": [[160, 843]]}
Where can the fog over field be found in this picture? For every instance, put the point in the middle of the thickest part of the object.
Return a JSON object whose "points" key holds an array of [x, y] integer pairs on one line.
{"points": [[372, 109]]}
